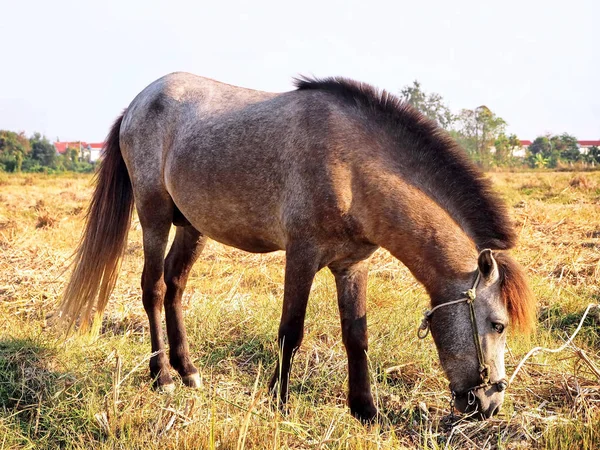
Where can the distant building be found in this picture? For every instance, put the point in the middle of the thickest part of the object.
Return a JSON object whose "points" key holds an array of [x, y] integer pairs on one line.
{"points": [[91, 151], [95, 150], [584, 146], [522, 150]]}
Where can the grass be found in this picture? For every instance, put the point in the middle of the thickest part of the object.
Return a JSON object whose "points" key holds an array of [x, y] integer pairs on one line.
{"points": [[95, 393]]}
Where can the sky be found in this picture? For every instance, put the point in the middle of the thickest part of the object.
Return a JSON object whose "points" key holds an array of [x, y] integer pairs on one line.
{"points": [[68, 68]]}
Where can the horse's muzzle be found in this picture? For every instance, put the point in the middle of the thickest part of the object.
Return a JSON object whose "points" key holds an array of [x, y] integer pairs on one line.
{"points": [[482, 403]]}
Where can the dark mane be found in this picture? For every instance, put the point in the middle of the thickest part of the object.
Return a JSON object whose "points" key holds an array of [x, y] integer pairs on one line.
{"points": [[433, 161], [517, 295]]}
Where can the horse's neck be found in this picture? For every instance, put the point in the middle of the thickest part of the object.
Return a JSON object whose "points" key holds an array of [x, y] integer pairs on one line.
{"points": [[417, 231]]}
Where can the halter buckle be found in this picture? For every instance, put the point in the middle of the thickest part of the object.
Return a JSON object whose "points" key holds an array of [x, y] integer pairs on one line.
{"points": [[471, 294]]}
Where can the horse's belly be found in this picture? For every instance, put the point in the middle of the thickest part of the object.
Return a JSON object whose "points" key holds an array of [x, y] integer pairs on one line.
{"points": [[232, 196], [237, 226], [253, 244]]}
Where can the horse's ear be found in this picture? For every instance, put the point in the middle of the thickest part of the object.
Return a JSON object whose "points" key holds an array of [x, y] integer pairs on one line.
{"points": [[488, 266]]}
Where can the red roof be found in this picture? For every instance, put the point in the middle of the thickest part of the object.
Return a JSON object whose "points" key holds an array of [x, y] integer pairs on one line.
{"points": [[61, 147], [524, 143]]}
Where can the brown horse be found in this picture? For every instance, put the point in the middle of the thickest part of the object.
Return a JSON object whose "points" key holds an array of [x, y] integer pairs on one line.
{"points": [[328, 172]]}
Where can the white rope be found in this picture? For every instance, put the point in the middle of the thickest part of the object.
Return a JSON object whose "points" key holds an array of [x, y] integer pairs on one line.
{"points": [[550, 350]]}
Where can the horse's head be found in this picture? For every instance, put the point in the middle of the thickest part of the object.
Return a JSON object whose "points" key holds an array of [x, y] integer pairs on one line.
{"points": [[470, 331]]}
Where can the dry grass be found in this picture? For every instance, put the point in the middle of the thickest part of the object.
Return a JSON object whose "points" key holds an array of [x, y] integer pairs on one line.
{"points": [[94, 393]]}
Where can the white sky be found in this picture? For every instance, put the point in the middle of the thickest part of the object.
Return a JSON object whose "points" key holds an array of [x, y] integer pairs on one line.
{"points": [[68, 68]]}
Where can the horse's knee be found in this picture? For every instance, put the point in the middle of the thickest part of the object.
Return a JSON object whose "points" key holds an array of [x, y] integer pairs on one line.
{"points": [[152, 295], [174, 283], [355, 337]]}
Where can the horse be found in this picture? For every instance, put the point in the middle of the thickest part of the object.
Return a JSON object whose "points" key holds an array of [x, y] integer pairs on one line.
{"points": [[328, 172]]}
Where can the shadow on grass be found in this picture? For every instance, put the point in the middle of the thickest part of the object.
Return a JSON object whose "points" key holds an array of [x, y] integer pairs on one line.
{"points": [[243, 350], [25, 378], [31, 404]]}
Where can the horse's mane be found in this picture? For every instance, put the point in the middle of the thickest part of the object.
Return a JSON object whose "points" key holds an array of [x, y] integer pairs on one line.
{"points": [[431, 160], [516, 293]]}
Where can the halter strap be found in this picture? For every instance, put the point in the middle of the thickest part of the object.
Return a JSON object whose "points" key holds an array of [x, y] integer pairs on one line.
{"points": [[469, 297]]}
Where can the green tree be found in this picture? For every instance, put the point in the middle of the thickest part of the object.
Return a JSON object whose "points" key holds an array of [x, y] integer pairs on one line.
{"points": [[42, 150], [593, 155], [505, 147], [567, 147], [542, 146], [432, 105], [478, 130], [557, 148], [14, 148], [540, 162]]}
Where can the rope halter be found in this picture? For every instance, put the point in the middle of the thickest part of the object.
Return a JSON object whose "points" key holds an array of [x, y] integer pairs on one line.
{"points": [[484, 370]]}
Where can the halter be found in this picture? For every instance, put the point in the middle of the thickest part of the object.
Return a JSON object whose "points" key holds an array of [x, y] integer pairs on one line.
{"points": [[484, 369]]}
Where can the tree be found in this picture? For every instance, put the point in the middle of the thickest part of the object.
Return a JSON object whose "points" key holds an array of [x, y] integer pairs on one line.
{"points": [[478, 131], [567, 147], [542, 149], [541, 145], [557, 148], [540, 162], [593, 155], [42, 151], [14, 148], [505, 147], [431, 105]]}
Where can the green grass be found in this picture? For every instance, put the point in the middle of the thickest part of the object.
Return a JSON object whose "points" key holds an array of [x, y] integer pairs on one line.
{"points": [[95, 392]]}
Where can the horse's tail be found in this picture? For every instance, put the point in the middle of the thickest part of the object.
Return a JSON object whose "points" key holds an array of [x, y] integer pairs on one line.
{"points": [[97, 259]]}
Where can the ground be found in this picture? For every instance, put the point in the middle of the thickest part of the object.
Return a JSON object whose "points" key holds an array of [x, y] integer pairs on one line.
{"points": [[94, 392]]}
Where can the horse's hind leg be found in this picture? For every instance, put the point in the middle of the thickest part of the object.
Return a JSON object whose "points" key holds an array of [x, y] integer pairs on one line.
{"points": [[300, 269], [351, 283], [184, 252], [156, 223]]}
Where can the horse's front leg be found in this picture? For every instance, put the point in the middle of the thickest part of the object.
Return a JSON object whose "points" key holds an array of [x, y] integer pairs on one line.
{"points": [[351, 283], [300, 269]]}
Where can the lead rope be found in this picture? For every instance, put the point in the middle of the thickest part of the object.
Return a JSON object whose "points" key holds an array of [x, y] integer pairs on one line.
{"points": [[501, 385], [551, 350]]}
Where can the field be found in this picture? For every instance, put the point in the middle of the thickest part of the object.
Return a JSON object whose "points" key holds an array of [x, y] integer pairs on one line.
{"points": [[94, 392]]}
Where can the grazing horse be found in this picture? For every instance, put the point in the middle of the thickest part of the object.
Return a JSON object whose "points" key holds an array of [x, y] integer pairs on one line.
{"points": [[328, 172]]}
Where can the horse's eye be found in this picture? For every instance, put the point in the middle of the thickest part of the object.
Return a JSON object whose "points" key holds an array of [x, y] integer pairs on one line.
{"points": [[498, 327]]}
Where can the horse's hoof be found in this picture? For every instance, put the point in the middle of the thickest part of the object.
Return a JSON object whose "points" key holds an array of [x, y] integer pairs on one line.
{"points": [[367, 417], [192, 381], [365, 410], [168, 388]]}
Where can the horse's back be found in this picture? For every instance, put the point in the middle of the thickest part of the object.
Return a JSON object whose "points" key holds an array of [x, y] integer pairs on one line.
{"points": [[245, 167]]}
